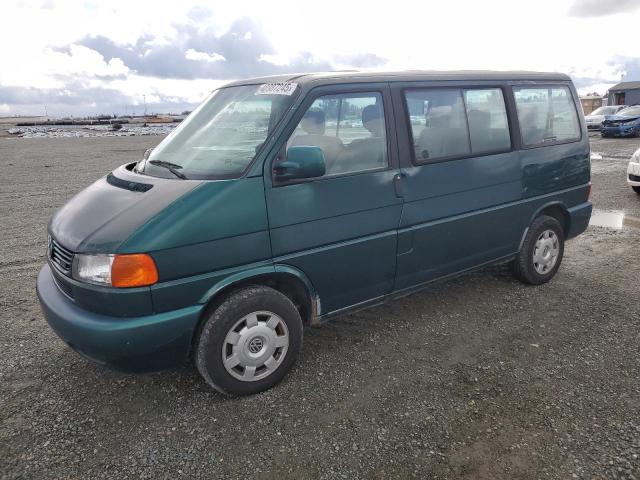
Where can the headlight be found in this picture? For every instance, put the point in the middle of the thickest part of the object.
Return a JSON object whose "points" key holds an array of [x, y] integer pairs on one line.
{"points": [[635, 158], [92, 268], [135, 270]]}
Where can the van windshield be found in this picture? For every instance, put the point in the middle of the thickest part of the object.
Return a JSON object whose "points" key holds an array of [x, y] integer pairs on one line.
{"points": [[223, 135]]}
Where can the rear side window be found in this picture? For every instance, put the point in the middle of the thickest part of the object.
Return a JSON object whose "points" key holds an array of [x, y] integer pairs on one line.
{"points": [[449, 123], [438, 123], [350, 130], [546, 115], [488, 125]]}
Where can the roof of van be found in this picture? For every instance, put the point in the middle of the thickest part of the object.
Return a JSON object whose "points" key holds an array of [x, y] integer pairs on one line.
{"points": [[350, 76]]}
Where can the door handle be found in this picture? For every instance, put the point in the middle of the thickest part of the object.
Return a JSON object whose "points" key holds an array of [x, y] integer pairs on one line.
{"points": [[398, 184]]}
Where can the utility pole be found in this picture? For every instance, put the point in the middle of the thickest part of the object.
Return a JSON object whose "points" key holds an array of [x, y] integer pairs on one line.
{"points": [[46, 115], [144, 100]]}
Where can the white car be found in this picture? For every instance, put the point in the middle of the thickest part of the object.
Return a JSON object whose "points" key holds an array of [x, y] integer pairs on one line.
{"points": [[633, 172], [594, 119]]}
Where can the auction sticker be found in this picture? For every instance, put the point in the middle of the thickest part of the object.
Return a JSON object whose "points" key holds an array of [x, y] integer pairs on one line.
{"points": [[282, 88]]}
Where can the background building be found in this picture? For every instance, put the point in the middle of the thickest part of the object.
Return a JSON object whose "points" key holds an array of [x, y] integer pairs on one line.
{"points": [[625, 93], [591, 102]]}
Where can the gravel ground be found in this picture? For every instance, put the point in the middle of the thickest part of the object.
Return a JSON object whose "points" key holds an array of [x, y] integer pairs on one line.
{"points": [[479, 377]]}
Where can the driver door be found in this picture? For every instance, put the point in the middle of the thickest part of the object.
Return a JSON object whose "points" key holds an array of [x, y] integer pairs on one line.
{"points": [[340, 228]]}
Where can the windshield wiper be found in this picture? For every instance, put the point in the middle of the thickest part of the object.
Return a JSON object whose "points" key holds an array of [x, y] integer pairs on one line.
{"points": [[172, 167]]}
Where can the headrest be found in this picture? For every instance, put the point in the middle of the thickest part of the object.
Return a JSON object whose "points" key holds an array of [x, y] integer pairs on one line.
{"points": [[479, 118], [438, 120], [372, 119], [313, 122]]}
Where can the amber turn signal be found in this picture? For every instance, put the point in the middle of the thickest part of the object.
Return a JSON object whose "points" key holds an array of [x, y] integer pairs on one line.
{"points": [[136, 270]]}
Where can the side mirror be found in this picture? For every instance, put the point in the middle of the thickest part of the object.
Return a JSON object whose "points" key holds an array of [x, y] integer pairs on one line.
{"points": [[301, 162]]}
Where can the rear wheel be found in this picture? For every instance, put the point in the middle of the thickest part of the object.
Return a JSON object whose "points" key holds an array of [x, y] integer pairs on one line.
{"points": [[636, 189], [541, 253], [249, 342]]}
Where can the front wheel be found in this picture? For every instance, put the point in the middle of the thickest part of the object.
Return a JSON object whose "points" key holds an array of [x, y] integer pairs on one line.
{"points": [[541, 252], [249, 342], [636, 189]]}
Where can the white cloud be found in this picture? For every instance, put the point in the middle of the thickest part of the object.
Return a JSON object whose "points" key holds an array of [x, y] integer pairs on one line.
{"points": [[188, 91], [275, 59], [493, 34], [192, 54], [4, 108], [600, 88]]}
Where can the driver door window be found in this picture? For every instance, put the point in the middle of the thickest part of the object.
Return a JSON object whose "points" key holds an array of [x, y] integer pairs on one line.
{"points": [[350, 130]]}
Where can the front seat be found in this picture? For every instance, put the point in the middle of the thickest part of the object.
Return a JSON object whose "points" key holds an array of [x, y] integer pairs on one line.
{"points": [[313, 123], [370, 152]]}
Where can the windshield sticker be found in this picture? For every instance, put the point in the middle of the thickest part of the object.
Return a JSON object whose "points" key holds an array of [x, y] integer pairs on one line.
{"points": [[282, 88]]}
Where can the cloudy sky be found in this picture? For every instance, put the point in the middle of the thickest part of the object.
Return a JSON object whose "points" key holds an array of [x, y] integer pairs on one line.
{"points": [[108, 56]]}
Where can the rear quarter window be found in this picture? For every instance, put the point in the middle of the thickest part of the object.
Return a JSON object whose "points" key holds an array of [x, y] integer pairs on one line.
{"points": [[546, 115]]}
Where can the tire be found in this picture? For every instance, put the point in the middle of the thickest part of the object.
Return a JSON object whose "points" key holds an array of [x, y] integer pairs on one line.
{"points": [[636, 189], [544, 239], [249, 342]]}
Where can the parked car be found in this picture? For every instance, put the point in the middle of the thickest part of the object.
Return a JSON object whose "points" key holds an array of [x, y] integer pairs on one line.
{"points": [[259, 216], [626, 123], [594, 119], [633, 172]]}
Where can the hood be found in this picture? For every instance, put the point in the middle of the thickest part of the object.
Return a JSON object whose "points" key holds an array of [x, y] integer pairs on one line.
{"points": [[620, 118], [594, 118], [105, 214]]}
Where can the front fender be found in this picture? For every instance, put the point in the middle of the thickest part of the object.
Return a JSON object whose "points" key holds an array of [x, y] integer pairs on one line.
{"points": [[261, 272]]}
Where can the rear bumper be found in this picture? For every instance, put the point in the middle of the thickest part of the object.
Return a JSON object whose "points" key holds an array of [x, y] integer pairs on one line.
{"points": [[133, 344], [579, 217]]}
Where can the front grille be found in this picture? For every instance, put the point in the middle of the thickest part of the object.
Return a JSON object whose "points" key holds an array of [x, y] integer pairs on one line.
{"points": [[634, 178], [63, 286], [60, 257]]}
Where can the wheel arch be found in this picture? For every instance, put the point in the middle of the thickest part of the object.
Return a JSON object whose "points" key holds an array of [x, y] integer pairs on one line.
{"points": [[557, 210], [286, 279]]}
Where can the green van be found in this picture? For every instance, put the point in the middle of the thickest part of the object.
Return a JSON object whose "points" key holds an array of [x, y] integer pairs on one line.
{"points": [[283, 201]]}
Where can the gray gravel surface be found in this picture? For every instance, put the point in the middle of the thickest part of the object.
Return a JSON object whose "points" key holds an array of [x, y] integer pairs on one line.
{"points": [[479, 377]]}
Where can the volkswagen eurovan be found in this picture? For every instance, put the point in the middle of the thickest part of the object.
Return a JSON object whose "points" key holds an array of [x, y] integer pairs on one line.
{"points": [[283, 201]]}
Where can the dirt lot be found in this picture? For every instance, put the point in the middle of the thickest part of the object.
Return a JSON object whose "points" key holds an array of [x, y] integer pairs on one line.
{"points": [[480, 377]]}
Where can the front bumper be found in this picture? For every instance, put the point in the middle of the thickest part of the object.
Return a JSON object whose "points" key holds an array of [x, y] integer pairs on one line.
{"points": [[619, 131], [633, 174], [132, 344]]}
